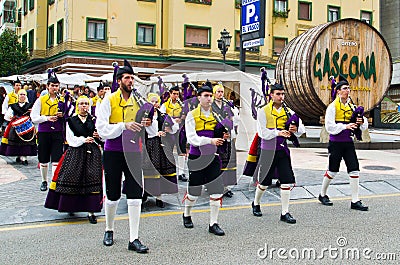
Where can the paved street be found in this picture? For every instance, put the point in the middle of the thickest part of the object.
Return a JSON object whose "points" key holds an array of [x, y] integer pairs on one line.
{"points": [[25, 222]]}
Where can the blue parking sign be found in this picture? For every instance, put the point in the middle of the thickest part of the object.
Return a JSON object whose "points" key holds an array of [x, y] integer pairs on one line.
{"points": [[250, 16]]}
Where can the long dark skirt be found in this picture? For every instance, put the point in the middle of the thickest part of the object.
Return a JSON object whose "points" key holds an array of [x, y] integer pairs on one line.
{"points": [[158, 166], [77, 182], [13, 145]]}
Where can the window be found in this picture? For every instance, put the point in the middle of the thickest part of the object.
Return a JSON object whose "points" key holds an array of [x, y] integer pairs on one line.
{"points": [[50, 36], [31, 36], [366, 16], [25, 7], [333, 13], [24, 41], [96, 29], [204, 2], [280, 5], [238, 4], [197, 36], [31, 4], [145, 34], [60, 31], [279, 44], [304, 10]]}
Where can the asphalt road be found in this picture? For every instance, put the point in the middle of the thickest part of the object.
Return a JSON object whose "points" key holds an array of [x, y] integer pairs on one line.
{"points": [[322, 235]]}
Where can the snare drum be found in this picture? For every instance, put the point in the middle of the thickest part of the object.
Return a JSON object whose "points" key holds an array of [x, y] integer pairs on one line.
{"points": [[23, 125]]}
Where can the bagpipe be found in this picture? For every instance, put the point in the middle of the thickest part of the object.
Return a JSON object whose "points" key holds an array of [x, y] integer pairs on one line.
{"points": [[260, 100], [293, 119], [164, 93], [358, 111]]}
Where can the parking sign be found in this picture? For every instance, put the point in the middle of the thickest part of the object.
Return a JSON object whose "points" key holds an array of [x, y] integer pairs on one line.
{"points": [[253, 19]]}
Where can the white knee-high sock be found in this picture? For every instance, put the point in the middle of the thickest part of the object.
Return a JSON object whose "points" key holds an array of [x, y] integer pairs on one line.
{"points": [[134, 218], [181, 165], [260, 190], [215, 205], [190, 201], [110, 210], [328, 176], [43, 170], [53, 168], [285, 197], [354, 185]]}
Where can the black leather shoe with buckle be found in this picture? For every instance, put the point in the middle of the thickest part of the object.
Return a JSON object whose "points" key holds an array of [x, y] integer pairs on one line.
{"points": [[187, 221], [183, 178], [288, 218], [359, 206], [43, 187], [228, 194], [216, 230], [92, 219], [108, 238], [137, 246], [325, 200], [256, 210], [160, 203]]}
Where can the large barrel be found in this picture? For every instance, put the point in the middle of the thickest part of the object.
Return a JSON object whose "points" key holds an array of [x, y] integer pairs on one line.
{"points": [[348, 47]]}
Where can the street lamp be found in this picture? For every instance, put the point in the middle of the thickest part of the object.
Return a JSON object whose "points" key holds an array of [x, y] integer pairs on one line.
{"points": [[224, 42]]}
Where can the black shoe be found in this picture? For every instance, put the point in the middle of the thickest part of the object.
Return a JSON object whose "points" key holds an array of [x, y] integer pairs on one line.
{"points": [[160, 203], [359, 206], [187, 221], [216, 230], [278, 183], [71, 214], [25, 163], [43, 187], [183, 178], [228, 194], [137, 246], [256, 210], [108, 238], [288, 218], [92, 219], [18, 159], [325, 200]]}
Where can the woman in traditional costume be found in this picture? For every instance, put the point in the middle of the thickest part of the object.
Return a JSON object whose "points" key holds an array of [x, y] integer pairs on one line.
{"points": [[77, 182], [19, 137]]}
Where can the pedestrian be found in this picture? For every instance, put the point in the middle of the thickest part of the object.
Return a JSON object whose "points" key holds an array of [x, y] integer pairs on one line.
{"points": [[77, 184], [11, 97], [339, 125], [275, 155], [47, 113], [116, 123], [19, 138], [203, 162]]}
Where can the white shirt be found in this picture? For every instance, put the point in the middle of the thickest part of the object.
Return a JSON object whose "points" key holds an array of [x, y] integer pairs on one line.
{"points": [[73, 140], [35, 114], [330, 121], [104, 128], [4, 107], [190, 127], [268, 134]]}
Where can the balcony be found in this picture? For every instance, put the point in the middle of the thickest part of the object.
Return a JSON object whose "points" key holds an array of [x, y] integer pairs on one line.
{"points": [[7, 26]]}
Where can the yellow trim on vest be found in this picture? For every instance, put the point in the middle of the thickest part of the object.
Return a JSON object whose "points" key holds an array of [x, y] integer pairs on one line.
{"points": [[121, 110], [49, 107], [251, 158], [275, 119], [12, 98], [343, 112], [94, 100], [203, 123], [173, 110]]}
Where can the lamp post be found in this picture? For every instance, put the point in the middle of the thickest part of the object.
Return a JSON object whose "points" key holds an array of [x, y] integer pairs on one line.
{"points": [[223, 43]]}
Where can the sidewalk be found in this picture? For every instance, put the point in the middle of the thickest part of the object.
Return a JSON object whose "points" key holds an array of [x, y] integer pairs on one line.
{"points": [[21, 200]]}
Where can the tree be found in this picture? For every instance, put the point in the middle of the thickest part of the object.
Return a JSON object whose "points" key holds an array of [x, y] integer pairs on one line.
{"points": [[13, 54]]}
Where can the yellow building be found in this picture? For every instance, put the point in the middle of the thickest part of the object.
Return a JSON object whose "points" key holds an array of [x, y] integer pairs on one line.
{"points": [[88, 35]]}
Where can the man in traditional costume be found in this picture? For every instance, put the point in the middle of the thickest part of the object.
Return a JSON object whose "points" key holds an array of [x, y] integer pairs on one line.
{"points": [[275, 155], [48, 113], [11, 97], [341, 123], [204, 164], [116, 123]]}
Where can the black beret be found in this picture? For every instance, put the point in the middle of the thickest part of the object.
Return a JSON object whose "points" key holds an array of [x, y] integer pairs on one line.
{"points": [[126, 69]]}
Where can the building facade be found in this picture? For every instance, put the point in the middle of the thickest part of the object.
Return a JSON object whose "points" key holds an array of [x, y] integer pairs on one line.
{"points": [[88, 35]]}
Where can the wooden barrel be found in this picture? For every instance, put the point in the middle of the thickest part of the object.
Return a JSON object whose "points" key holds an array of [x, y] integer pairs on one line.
{"points": [[349, 47]]}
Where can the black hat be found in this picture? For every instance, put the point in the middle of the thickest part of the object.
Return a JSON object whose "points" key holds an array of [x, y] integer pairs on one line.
{"points": [[106, 84], [126, 69], [52, 77], [17, 81], [204, 88], [174, 88], [100, 87], [342, 81], [276, 86]]}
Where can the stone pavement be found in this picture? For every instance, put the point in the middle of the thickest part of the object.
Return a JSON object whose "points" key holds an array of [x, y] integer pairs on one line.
{"points": [[21, 201]]}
